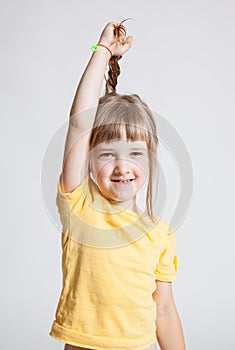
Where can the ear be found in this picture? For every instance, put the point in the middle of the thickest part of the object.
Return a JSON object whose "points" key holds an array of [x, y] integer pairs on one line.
{"points": [[91, 176], [90, 169]]}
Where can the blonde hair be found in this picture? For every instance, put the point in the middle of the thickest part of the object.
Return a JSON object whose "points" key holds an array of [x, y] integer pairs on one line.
{"points": [[116, 113]]}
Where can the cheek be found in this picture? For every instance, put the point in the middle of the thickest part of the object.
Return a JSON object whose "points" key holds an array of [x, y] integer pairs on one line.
{"points": [[143, 168], [144, 176], [102, 170]]}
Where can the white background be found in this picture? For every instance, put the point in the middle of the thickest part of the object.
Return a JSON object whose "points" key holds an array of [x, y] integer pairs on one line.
{"points": [[182, 64]]}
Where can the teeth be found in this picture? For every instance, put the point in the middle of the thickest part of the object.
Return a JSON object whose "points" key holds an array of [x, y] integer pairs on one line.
{"points": [[122, 181]]}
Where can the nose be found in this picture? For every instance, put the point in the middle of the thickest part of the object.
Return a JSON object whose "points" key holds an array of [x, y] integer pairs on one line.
{"points": [[121, 167]]}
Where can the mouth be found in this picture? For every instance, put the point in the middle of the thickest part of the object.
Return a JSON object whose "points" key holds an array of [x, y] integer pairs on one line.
{"points": [[122, 181]]}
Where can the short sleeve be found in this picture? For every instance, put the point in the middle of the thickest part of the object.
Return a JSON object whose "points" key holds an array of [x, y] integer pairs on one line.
{"points": [[71, 201], [167, 266]]}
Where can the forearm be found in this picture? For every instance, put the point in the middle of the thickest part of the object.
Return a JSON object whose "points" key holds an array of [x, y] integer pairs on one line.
{"points": [[88, 91], [169, 331]]}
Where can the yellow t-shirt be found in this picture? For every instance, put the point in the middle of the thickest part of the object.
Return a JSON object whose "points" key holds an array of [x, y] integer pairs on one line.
{"points": [[111, 258]]}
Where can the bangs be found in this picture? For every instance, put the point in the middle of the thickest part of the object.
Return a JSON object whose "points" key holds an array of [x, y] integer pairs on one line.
{"points": [[122, 121], [110, 132]]}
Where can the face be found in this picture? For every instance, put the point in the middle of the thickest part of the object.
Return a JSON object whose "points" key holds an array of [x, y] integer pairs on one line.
{"points": [[120, 169]]}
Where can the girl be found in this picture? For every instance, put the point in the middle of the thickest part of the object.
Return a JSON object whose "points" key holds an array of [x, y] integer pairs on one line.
{"points": [[118, 262]]}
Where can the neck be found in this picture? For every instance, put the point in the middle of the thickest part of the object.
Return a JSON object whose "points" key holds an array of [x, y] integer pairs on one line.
{"points": [[129, 205]]}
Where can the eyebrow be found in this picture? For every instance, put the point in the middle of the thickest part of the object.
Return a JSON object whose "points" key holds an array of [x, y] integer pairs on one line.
{"points": [[129, 149]]}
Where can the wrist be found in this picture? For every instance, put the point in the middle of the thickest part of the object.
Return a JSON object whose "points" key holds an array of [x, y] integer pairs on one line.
{"points": [[101, 57], [102, 46], [106, 48]]}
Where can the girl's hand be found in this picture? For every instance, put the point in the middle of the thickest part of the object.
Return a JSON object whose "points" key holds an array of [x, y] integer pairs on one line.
{"points": [[115, 39]]}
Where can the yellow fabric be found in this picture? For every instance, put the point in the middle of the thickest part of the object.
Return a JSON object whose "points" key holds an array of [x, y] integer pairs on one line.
{"points": [[110, 260]]}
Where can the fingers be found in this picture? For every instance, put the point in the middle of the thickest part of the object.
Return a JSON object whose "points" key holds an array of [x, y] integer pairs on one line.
{"points": [[129, 39], [128, 43], [114, 36]]}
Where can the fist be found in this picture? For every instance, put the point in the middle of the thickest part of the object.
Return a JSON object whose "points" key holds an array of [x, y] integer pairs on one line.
{"points": [[114, 37]]}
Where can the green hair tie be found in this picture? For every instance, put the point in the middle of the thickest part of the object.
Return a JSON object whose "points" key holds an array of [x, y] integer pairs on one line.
{"points": [[95, 48]]}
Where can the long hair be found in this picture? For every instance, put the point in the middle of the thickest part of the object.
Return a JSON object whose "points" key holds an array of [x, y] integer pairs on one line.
{"points": [[116, 112]]}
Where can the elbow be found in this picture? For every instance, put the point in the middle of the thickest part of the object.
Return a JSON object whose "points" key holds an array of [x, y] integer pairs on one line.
{"points": [[165, 310]]}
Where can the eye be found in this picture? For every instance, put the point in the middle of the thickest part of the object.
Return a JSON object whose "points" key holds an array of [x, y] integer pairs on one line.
{"points": [[107, 155], [136, 154]]}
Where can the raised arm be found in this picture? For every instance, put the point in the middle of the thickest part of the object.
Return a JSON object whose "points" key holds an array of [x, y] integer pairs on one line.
{"points": [[85, 105]]}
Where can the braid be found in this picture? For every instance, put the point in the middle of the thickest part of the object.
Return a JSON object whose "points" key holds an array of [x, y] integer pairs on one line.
{"points": [[114, 68], [113, 73]]}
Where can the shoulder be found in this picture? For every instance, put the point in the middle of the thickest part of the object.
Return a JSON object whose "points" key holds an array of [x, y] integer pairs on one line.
{"points": [[73, 199], [163, 227]]}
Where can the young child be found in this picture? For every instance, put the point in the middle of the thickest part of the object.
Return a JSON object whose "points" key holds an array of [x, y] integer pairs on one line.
{"points": [[118, 262]]}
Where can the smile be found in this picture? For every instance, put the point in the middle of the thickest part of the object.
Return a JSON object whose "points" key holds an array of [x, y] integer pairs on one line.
{"points": [[123, 181]]}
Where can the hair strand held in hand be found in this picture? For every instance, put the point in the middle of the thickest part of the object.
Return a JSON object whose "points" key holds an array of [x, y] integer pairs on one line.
{"points": [[114, 68]]}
